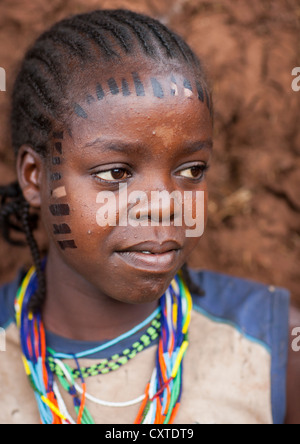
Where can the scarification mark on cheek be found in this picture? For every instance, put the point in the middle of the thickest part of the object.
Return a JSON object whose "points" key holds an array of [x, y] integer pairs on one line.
{"points": [[59, 192], [61, 229], [60, 209], [58, 147], [64, 245], [55, 177], [55, 160]]}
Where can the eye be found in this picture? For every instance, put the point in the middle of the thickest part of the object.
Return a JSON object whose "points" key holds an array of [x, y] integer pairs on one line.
{"points": [[113, 175], [195, 172]]}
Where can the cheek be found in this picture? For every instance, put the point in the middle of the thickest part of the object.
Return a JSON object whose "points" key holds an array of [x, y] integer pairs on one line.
{"points": [[68, 211], [195, 207], [57, 209], [74, 224], [196, 215], [89, 221]]}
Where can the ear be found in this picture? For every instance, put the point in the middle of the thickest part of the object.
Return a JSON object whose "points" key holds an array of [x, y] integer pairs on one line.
{"points": [[29, 170]]}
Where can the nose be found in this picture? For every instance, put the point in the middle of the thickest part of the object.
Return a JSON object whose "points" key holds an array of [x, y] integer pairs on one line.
{"points": [[160, 204], [165, 206]]}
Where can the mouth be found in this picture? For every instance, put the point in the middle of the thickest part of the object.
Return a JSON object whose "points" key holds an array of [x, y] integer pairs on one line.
{"points": [[150, 256]]}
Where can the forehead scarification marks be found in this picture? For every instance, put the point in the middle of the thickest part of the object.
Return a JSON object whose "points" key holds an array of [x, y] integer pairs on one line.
{"points": [[113, 86], [125, 88], [183, 87], [90, 99], [157, 88], [80, 111], [188, 89], [200, 91], [100, 92], [174, 87], [139, 87]]}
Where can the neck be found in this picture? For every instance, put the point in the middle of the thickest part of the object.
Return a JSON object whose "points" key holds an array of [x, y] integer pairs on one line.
{"points": [[76, 310]]}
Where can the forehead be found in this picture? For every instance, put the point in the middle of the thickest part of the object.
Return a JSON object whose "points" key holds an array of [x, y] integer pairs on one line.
{"points": [[138, 104]]}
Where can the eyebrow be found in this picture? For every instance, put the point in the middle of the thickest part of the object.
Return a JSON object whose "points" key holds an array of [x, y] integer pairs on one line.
{"points": [[194, 147], [121, 146]]}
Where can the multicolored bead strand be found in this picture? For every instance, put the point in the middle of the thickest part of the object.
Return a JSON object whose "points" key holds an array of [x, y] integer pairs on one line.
{"points": [[162, 396]]}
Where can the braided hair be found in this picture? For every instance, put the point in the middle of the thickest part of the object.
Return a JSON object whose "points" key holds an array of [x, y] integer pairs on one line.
{"points": [[40, 104]]}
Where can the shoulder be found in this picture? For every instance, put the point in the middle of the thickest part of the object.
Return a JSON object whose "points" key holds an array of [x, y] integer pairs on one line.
{"points": [[293, 371], [259, 310], [259, 313], [8, 293]]}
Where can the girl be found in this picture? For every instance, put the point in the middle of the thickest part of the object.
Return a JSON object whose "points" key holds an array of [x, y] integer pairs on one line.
{"points": [[111, 326]]}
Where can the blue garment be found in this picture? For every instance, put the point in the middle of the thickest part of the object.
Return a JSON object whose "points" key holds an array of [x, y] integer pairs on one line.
{"points": [[258, 312]]}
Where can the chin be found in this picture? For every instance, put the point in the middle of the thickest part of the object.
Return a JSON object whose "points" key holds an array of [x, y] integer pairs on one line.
{"points": [[148, 290]]}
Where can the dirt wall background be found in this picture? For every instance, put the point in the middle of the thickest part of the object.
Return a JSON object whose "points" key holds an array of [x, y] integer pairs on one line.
{"points": [[250, 49]]}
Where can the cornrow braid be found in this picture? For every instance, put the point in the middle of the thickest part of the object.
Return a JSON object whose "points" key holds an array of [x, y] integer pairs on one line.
{"points": [[134, 23], [166, 38], [68, 39], [119, 32], [41, 96], [173, 44], [40, 294], [14, 206], [11, 200], [91, 33]]}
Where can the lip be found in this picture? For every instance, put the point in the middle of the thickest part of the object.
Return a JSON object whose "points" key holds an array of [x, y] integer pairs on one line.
{"points": [[163, 257], [160, 263], [153, 247]]}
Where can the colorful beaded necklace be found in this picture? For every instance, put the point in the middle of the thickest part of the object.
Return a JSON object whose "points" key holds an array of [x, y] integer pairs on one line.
{"points": [[161, 400], [115, 361]]}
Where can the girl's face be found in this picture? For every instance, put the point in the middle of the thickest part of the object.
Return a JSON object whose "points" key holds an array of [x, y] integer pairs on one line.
{"points": [[145, 133]]}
